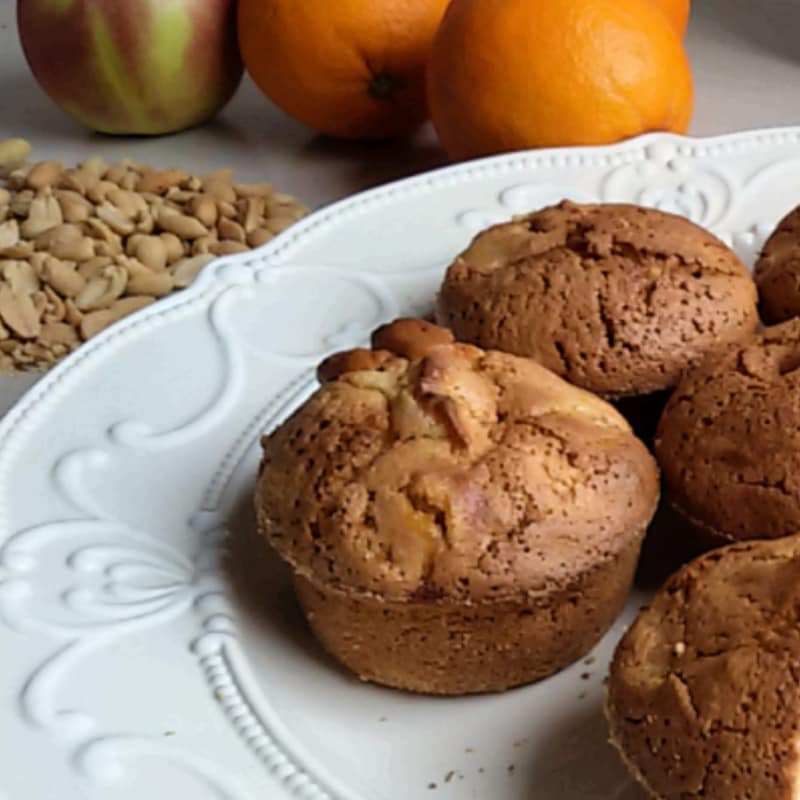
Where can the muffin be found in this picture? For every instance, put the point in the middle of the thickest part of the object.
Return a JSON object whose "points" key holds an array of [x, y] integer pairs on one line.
{"points": [[729, 440], [703, 696], [456, 520], [618, 299], [777, 271]]}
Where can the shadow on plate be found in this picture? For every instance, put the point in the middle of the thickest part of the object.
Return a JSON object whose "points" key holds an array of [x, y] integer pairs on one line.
{"points": [[670, 543], [671, 540], [261, 586], [578, 761]]}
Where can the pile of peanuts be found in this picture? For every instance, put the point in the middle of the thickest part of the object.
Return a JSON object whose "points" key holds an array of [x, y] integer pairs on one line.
{"points": [[82, 247]]}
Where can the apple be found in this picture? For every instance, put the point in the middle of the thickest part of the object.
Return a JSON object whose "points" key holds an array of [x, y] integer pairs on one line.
{"points": [[133, 66]]}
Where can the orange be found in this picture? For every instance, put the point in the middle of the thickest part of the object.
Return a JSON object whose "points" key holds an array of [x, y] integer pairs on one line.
{"points": [[352, 68], [513, 74], [677, 12]]}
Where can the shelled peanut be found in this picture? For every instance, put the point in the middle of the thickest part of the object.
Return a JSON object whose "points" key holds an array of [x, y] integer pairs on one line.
{"points": [[83, 247]]}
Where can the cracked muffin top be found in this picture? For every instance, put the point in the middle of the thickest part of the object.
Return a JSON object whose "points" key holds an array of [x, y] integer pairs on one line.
{"points": [[619, 299], [424, 469], [704, 690], [729, 439]]}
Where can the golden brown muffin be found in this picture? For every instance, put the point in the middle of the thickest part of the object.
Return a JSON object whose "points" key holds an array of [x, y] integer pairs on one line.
{"points": [[457, 520], [618, 299], [704, 692], [777, 271], [729, 440]]}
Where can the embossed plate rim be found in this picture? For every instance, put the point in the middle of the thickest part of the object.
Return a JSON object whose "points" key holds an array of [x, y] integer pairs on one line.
{"points": [[231, 271]]}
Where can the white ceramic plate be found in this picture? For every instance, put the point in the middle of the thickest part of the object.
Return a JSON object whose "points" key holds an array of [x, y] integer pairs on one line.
{"points": [[133, 665]]}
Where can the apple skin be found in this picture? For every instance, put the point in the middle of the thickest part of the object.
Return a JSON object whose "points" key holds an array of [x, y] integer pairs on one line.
{"points": [[143, 67]]}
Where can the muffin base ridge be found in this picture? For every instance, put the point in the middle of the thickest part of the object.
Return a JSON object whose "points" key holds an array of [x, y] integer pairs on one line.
{"points": [[436, 648]]}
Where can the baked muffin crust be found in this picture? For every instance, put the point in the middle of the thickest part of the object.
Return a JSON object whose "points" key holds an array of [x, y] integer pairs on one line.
{"points": [[456, 520], [704, 691], [777, 271], [729, 440], [619, 299], [461, 474]]}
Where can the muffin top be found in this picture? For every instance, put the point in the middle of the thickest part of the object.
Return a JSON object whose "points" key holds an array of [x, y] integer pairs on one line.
{"points": [[425, 469], [777, 271], [619, 299], [729, 440], [704, 691]]}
